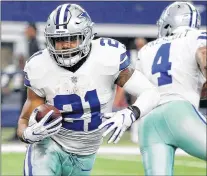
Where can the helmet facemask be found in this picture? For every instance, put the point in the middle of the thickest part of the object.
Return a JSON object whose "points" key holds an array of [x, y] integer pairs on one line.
{"points": [[68, 42], [164, 29]]}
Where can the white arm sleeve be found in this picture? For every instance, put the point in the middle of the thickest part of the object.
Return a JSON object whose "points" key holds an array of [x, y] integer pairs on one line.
{"points": [[147, 95]]}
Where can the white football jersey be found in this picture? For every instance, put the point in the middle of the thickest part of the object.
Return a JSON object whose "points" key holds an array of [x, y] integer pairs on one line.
{"points": [[81, 96], [170, 64]]}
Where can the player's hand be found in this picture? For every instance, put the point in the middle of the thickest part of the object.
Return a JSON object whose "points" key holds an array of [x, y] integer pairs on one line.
{"points": [[37, 131], [119, 122]]}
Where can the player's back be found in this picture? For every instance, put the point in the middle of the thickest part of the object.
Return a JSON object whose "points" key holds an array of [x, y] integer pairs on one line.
{"points": [[170, 64]]}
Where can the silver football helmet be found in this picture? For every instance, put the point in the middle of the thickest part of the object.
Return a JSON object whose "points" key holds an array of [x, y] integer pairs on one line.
{"points": [[178, 14], [69, 23]]}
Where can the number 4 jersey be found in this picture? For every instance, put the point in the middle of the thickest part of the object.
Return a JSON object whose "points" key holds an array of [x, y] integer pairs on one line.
{"points": [[81, 96], [170, 64]]}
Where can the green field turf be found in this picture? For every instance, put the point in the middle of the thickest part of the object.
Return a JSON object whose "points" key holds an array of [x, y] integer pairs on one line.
{"points": [[117, 165]]}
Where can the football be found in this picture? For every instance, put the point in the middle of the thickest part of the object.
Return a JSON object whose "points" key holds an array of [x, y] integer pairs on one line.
{"points": [[44, 109]]}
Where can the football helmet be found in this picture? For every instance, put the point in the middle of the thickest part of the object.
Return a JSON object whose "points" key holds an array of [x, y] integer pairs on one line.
{"points": [[69, 23], [178, 14]]}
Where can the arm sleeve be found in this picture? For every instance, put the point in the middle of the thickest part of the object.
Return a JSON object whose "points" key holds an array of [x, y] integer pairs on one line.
{"points": [[147, 95]]}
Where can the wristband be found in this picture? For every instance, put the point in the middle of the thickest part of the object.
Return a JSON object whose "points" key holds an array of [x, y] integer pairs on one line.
{"points": [[135, 110]]}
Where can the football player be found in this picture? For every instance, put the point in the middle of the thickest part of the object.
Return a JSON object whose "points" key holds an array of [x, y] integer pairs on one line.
{"points": [[176, 64], [77, 75]]}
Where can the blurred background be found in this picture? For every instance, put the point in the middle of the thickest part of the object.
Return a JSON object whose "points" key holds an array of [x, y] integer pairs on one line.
{"points": [[22, 34]]}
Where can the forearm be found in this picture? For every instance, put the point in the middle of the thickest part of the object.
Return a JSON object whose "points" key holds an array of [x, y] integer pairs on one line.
{"points": [[24, 117], [147, 95], [27, 110], [22, 125]]}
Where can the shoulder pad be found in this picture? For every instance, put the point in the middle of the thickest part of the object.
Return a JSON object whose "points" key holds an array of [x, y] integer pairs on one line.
{"points": [[143, 50], [112, 54], [35, 68], [197, 38], [197, 34], [35, 55]]}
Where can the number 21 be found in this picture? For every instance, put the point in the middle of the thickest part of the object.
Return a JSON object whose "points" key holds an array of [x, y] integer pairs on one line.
{"points": [[77, 111]]}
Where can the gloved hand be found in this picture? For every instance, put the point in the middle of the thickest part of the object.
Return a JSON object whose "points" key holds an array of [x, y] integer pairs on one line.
{"points": [[119, 122], [37, 131]]}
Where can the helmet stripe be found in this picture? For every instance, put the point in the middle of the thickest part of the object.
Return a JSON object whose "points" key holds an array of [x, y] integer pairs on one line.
{"points": [[57, 18], [61, 17], [66, 13], [193, 17], [62, 13], [196, 19], [191, 13]]}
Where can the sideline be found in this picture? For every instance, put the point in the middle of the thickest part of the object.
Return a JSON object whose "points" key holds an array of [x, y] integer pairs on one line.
{"points": [[21, 148]]}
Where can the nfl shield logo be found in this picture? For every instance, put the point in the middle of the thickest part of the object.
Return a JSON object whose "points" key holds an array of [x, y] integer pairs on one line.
{"points": [[74, 79]]}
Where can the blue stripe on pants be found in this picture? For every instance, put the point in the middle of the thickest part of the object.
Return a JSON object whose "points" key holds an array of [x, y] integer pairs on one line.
{"points": [[202, 118], [28, 158]]}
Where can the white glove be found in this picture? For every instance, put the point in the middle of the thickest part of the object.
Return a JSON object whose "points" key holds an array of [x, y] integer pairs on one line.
{"points": [[37, 131], [119, 122]]}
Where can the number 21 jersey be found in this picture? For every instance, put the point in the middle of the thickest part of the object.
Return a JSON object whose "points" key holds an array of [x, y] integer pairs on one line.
{"points": [[81, 96]]}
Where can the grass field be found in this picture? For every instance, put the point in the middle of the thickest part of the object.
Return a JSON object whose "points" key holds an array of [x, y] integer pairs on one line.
{"points": [[117, 165], [106, 165]]}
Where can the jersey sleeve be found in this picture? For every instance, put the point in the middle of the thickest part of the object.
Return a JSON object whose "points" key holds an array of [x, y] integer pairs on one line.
{"points": [[123, 63], [31, 78], [125, 60], [199, 39], [113, 56]]}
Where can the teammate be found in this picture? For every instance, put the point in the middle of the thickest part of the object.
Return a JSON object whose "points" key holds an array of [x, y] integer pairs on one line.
{"points": [[78, 75], [176, 64]]}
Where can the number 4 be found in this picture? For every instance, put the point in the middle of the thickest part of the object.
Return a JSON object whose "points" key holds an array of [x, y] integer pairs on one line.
{"points": [[162, 65]]}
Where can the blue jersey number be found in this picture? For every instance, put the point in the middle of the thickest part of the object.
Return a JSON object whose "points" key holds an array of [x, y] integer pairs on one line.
{"points": [[74, 101], [162, 65], [111, 42], [124, 57]]}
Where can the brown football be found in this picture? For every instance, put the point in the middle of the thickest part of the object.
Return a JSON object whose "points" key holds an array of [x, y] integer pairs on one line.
{"points": [[44, 109]]}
